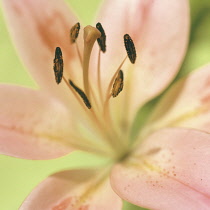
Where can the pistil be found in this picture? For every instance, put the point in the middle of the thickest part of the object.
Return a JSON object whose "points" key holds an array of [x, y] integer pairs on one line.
{"points": [[90, 36]]}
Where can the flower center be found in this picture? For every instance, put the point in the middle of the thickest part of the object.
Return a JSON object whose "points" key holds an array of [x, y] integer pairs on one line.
{"points": [[96, 104]]}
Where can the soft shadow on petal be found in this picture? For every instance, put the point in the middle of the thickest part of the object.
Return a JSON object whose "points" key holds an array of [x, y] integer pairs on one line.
{"points": [[186, 104], [159, 29], [170, 170], [73, 189], [37, 28], [33, 125]]}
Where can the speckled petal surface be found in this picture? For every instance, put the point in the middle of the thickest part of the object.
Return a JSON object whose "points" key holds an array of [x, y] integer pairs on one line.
{"points": [[73, 189], [169, 171]]}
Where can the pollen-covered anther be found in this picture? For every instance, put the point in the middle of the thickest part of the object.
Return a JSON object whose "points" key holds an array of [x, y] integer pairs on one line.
{"points": [[58, 65], [74, 32], [130, 48], [102, 39], [118, 84], [81, 94]]}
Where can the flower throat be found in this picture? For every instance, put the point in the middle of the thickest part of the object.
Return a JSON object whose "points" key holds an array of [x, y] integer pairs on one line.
{"points": [[96, 106], [91, 34]]}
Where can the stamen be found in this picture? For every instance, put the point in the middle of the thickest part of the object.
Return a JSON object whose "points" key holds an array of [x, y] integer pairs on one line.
{"points": [[113, 78], [58, 65], [90, 36], [130, 48], [74, 32], [81, 93], [110, 89], [102, 39], [118, 84]]}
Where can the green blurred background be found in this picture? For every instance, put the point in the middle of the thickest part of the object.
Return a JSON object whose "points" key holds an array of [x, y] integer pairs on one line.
{"points": [[18, 177]]}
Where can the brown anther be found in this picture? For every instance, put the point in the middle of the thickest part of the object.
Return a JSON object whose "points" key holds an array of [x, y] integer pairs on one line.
{"points": [[102, 40], [118, 84], [74, 32], [130, 48], [81, 94], [58, 65]]}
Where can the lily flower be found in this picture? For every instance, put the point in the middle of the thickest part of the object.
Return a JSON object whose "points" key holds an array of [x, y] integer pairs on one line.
{"points": [[101, 87]]}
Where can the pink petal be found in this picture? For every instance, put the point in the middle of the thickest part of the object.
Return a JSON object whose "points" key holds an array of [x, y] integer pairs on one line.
{"points": [[33, 126], [78, 190], [37, 28], [186, 104], [170, 170], [159, 29]]}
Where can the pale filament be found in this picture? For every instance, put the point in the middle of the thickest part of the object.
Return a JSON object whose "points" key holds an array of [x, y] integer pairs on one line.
{"points": [[78, 52], [75, 94], [92, 115], [99, 77], [106, 106]]}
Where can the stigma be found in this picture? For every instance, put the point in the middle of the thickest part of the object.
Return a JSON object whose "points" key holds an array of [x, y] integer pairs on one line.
{"points": [[85, 95]]}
